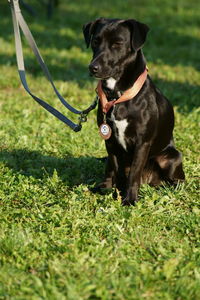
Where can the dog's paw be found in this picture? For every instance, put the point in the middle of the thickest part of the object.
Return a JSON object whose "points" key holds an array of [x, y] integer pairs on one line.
{"points": [[131, 197], [95, 189], [102, 188], [128, 201]]}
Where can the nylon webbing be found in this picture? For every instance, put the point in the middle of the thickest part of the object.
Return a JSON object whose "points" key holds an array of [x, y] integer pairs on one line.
{"points": [[19, 22]]}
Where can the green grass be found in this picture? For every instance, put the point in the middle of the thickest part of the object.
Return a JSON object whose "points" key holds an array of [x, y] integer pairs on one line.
{"points": [[57, 239]]}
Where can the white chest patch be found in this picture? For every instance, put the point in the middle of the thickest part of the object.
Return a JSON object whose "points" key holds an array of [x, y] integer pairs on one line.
{"points": [[121, 127], [110, 83]]}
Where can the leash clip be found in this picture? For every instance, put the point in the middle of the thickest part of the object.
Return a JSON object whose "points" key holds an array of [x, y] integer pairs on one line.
{"points": [[82, 118], [104, 117]]}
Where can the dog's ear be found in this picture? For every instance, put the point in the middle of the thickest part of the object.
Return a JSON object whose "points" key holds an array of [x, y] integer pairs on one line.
{"points": [[138, 33], [88, 30]]}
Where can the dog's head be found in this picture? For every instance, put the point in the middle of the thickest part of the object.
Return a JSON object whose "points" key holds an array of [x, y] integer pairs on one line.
{"points": [[114, 43]]}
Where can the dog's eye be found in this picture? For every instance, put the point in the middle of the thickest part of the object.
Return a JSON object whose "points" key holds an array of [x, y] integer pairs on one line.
{"points": [[95, 42]]}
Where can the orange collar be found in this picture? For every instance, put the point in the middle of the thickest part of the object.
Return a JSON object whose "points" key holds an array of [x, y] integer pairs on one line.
{"points": [[128, 94]]}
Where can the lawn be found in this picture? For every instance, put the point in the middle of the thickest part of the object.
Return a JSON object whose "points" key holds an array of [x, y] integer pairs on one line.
{"points": [[58, 240]]}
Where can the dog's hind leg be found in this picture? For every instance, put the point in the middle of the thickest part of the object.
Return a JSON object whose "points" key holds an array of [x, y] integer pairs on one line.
{"points": [[170, 162], [152, 174]]}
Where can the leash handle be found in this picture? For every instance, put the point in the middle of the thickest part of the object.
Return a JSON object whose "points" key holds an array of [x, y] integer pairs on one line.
{"points": [[19, 22]]}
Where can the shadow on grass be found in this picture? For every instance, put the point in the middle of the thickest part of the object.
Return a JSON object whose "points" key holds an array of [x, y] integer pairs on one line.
{"points": [[72, 171], [64, 31], [183, 95]]}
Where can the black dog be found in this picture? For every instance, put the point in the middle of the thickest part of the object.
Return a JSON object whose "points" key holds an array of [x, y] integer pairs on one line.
{"points": [[140, 147]]}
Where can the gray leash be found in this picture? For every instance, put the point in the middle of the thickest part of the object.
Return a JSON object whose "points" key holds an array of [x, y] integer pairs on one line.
{"points": [[19, 22]]}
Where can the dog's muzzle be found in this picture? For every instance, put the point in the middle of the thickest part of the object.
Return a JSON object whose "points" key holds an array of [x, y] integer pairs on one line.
{"points": [[94, 68]]}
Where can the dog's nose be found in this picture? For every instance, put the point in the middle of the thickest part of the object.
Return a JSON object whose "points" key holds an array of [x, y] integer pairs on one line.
{"points": [[93, 68]]}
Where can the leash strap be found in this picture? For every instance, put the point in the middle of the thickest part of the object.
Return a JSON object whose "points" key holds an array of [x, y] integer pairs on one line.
{"points": [[19, 22]]}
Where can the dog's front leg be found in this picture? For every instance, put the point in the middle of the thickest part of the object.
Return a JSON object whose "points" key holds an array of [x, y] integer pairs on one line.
{"points": [[140, 157], [110, 172]]}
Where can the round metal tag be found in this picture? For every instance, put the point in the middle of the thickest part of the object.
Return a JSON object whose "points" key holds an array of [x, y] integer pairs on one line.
{"points": [[105, 131]]}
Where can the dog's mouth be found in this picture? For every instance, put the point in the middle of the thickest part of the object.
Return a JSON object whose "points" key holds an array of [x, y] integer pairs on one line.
{"points": [[99, 77]]}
